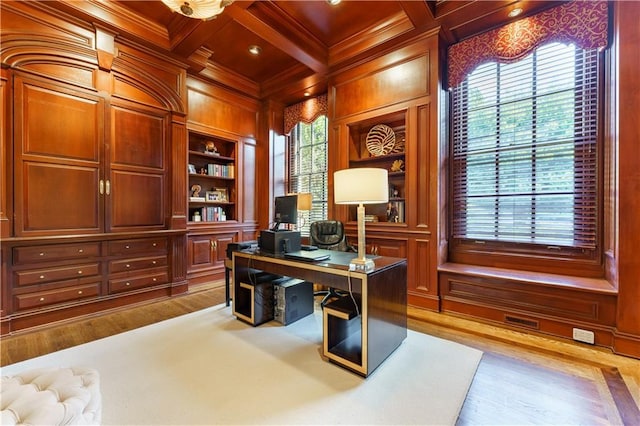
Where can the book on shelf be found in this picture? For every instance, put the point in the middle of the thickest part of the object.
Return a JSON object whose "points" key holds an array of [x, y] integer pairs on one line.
{"points": [[209, 214], [221, 170]]}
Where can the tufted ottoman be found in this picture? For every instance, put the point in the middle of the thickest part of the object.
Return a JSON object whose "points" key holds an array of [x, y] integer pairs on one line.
{"points": [[51, 396]]}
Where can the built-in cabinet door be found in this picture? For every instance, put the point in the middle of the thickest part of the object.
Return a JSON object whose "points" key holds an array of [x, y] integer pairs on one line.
{"points": [[57, 167], [68, 180], [137, 168], [202, 252], [206, 255], [387, 247]]}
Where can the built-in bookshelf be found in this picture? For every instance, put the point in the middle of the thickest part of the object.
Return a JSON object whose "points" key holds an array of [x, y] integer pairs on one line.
{"points": [[212, 183], [380, 143]]}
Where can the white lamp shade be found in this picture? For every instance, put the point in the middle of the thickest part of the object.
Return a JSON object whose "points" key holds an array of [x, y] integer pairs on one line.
{"points": [[198, 9], [361, 186]]}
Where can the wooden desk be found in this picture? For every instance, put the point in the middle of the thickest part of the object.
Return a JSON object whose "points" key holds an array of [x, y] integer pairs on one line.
{"points": [[383, 295]]}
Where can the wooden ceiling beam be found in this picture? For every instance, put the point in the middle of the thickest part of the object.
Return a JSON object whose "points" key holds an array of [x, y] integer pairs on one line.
{"points": [[277, 39], [419, 13]]}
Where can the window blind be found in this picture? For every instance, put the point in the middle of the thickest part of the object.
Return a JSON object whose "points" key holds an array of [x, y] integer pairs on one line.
{"points": [[524, 150], [307, 168]]}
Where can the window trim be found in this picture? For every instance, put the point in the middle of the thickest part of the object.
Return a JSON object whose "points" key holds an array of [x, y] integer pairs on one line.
{"points": [[530, 256]]}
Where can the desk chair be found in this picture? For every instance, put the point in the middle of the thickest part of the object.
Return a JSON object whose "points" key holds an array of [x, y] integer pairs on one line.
{"points": [[329, 235]]}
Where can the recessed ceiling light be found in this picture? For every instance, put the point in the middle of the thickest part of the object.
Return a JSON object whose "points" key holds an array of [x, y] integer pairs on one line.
{"points": [[333, 2], [307, 94], [254, 50], [515, 12]]}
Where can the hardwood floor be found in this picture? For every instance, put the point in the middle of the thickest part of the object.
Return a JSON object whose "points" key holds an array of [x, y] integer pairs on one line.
{"points": [[522, 378], [529, 379]]}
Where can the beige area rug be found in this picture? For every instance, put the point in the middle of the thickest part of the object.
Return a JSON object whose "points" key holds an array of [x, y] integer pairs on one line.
{"points": [[209, 368]]}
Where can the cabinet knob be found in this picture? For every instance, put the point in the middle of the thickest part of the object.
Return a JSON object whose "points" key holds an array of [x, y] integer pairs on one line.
{"points": [[80, 251], [154, 262], [155, 279], [42, 277], [79, 291], [126, 247], [42, 299], [41, 253], [127, 266], [154, 244], [128, 283], [80, 272]]}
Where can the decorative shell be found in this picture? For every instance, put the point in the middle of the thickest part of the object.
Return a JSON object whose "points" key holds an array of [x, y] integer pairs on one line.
{"points": [[380, 140]]}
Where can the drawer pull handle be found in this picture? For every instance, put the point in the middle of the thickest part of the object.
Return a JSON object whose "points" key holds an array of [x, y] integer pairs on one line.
{"points": [[80, 251], [128, 283], [80, 272], [128, 266], [41, 253], [79, 291], [155, 279], [42, 299], [154, 262], [126, 247], [42, 277]]}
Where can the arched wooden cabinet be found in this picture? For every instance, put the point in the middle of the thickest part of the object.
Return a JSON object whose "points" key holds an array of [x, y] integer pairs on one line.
{"points": [[92, 222]]}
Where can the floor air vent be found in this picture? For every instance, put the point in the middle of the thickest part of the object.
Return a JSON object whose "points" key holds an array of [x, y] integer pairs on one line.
{"points": [[522, 322]]}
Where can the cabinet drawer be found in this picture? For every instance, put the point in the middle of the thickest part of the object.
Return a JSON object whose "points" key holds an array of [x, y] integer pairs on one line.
{"points": [[37, 254], [126, 284], [43, 298], [126, 265], [128, 247], [37, 276]]}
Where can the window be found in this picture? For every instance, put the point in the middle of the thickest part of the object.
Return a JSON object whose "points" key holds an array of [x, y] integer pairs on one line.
{"points": [[307, 168], [525, 165]]}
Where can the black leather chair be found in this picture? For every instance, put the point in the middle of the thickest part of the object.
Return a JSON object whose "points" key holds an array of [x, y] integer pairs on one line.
{"points": [[329, 235]]}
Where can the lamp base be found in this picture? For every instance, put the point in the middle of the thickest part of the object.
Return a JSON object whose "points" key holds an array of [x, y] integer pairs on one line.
{"points": [[362, 265]]}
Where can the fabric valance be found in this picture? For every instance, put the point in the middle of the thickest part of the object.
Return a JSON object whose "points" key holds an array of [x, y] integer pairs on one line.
{"points": [[584, 23], [305, 112]]}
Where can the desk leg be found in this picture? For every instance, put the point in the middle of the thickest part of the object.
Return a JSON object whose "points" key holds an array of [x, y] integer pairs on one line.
{"points": [[227, 296]]}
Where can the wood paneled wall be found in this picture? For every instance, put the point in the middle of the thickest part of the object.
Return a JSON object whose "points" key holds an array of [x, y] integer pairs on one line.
{"points": [[625, 133]]}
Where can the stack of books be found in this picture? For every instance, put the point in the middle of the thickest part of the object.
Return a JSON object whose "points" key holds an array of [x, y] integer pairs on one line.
{"points": [[221, 170]]}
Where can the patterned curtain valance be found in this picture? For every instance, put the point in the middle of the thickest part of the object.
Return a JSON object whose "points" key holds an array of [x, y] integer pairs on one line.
{"points": [[305, 111], [584, 23]]}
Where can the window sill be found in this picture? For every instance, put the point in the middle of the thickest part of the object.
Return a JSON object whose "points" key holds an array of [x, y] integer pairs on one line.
{"points": [[595, 285]]}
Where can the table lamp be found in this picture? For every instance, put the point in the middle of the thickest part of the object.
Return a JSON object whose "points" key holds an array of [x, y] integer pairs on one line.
{"points": [[304, 204], [361, 186]]}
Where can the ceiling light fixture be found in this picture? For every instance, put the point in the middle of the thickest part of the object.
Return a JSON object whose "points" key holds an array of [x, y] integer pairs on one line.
{"points": [[515, 12], [333, 2], [254, 49], [307, 93], [198, 9]]}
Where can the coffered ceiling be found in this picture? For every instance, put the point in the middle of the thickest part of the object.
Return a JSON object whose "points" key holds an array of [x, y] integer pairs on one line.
{"points": [[301, 42]]}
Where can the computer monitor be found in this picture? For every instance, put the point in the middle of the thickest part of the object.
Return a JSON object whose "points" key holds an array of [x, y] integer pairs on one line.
{"points": [[286, 210]]}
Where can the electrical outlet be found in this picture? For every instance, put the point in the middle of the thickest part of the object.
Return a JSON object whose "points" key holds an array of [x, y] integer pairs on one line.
{"points": [[584, 336]]}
